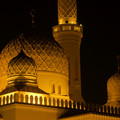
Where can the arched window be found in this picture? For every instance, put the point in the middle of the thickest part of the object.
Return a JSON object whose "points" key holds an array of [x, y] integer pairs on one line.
{"points": [[53, 88], [59, 89]]}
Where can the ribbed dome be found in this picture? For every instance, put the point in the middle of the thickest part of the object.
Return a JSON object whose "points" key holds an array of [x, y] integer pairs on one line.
{"points": [[113, 90], [114, 82], [11, 50], [21, 68], [21, 65]]}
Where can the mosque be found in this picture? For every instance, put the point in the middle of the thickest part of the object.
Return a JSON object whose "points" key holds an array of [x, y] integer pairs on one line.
{"points": [[40, 77]]}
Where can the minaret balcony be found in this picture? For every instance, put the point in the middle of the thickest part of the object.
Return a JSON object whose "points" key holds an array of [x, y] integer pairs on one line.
{"points": [[68, 27]]}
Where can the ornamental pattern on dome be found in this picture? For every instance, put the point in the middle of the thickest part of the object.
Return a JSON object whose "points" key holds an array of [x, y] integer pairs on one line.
{"points": [[47, 54], [11, 50], [114, 82], [113, 90], [21, 65], [67, 9]]}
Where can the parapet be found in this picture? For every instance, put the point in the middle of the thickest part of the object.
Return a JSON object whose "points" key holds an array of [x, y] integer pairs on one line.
{"points": [[57, 103], [68, 27]]}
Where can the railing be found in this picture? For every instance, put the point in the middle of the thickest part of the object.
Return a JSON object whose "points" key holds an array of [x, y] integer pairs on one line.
{"points": [[68, 27], [55, 102]]}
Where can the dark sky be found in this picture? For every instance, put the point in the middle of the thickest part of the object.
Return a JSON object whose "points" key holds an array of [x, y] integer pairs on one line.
{"points": [[100, 44]]}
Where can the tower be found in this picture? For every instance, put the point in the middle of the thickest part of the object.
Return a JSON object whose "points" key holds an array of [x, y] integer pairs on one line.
{"points": [[69, 34]]}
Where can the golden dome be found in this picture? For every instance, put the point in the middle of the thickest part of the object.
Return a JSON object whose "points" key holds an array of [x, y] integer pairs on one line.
{"points": [[11, 50], [21, 65], [46, 52], [113, 90], [21, 69]]}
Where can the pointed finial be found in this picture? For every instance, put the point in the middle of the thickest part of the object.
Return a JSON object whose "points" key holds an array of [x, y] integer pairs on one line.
{"points": [[32, 13], [118, 57], [21, 36]]}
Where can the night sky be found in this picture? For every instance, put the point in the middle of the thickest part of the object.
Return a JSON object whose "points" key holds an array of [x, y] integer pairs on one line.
{"points": [[100, 44]]}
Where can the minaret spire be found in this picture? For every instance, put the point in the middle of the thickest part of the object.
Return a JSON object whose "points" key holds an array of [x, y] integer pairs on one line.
{"points": [[32, 13], [67, 11]]}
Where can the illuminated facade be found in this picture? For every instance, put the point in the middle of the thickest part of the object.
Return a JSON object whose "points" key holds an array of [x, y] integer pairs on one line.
{"points": [[40, 77]]}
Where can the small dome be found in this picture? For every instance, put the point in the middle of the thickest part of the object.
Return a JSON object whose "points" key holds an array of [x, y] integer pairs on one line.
{"points": [[21, 67], [11, 50], [113, 90]]}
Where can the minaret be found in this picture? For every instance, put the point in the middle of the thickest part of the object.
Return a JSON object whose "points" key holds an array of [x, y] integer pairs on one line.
{"points": [[69, 34]]}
